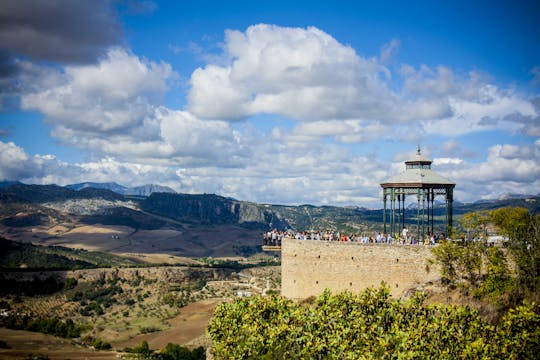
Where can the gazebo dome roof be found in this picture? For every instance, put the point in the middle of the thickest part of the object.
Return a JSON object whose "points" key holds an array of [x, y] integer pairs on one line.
{"points": [[418, 173]]}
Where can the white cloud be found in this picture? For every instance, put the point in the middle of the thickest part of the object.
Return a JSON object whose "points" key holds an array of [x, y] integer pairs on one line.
{"points": [[494, 109], [388, 51], [115, 95], [307, 75], [13, 161], [507, 169], [300, 73]]}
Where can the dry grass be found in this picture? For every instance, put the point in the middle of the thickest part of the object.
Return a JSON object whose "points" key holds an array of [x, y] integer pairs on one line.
{"points": [[23, 343], [123, 325]]}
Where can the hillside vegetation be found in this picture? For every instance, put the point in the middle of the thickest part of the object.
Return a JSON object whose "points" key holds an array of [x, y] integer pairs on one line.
{"points": [[16, 255], [370, 325]]}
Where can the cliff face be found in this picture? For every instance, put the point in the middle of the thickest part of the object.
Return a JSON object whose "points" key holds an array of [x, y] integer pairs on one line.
{"points": [[209, 209]]}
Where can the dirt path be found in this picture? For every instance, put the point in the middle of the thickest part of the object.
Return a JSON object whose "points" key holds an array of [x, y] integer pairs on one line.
{"points": [[23, 343], [189, 325]]}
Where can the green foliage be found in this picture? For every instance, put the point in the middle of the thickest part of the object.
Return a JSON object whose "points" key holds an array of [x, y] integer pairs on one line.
{"points": [[370, 325], [149, 329], [485, 270], [53, 326], [475, 225], [523, 232], [460, 262], [101, 345], [497, 280], [14, 254], [70, 283], [177, 352], [170, 352], [519, 333], [512, 222], [142, 348]]}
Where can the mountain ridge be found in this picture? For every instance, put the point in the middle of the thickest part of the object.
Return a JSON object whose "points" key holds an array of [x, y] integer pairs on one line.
{"points": [[181, 224], [143, 190]]}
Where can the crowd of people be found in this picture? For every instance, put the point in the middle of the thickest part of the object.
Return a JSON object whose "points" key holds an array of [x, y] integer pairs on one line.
{"points": [[274, 237]]}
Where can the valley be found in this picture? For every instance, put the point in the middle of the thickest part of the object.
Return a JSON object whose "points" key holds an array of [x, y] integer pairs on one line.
{"points": [[124, 306], [131, 268]]}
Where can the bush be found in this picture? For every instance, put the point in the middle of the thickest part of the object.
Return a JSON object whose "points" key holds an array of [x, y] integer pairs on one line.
{"points": [[177, 352], [53, 326], [101, 345], [368, 325], [70, 283]]}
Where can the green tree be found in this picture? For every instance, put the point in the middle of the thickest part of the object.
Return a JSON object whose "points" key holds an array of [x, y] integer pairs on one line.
{"points": [[461, 263], [498, 279], [177, 352], [142, 348], [523, 232], [475, 225]]}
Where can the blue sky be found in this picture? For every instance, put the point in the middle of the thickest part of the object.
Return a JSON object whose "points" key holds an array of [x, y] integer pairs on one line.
{"points": [[271, 101]]}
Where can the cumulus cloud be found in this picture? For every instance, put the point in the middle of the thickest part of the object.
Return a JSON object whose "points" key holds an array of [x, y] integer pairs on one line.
{"points": [[307, 75], [13, 162], [301, 73], [115, 95], [507, 169], [112, 108], [495, 109]]}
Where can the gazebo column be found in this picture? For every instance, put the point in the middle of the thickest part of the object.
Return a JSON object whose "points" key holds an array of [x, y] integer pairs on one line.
{"points": [[418, 214], [399, 213], [384, 208], [403, 207], [423, 215], [427, 192], [392, 208], [432, 211], [450, 201]]}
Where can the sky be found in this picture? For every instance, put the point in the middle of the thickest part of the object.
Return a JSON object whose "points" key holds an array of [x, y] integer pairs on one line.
{"points": [[282, 102]]}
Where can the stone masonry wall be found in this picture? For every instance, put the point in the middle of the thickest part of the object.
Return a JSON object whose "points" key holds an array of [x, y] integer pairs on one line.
{"points": [[310, 266]]}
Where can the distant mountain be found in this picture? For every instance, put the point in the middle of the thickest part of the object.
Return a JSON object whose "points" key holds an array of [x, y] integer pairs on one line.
{"points": [[108, 185], [4, 184], [144, 190], [209, 209], [148, 189], [509, 196], [50, 193]]}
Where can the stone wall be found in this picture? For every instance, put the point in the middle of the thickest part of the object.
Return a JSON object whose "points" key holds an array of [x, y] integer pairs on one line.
{"points": [[310, 266]]}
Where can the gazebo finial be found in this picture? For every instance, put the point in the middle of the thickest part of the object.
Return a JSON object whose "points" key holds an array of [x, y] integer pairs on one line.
{"points": [[418, 151]]}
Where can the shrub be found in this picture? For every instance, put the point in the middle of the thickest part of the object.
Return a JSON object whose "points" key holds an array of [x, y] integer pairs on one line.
{"points": [[101, 345], [368, 325]]}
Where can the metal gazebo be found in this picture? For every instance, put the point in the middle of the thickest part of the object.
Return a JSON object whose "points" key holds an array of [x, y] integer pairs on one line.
{"points": [[417, 180]]}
